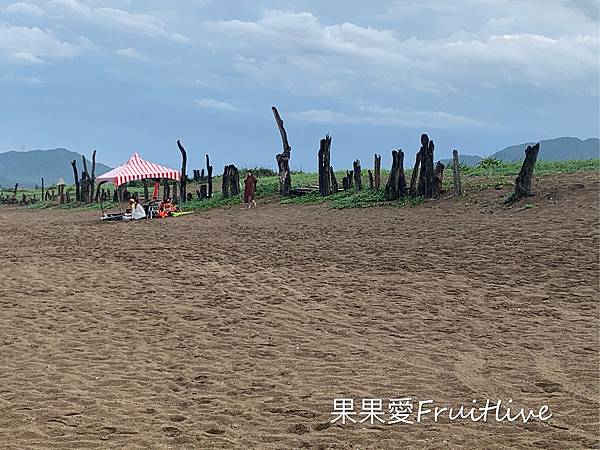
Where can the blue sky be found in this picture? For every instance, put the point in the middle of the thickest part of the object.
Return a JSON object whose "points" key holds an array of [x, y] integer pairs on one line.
{"points": [[123, 76]]}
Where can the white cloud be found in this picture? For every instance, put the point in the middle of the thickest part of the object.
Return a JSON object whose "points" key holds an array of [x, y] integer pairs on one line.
{"points": [[501, 49], [24, 8], [146, 24], [33, 45], [209, 103], [131, 53], [377, 115]]}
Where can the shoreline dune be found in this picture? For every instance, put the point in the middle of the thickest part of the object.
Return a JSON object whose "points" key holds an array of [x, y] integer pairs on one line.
{"points": [[232, 328]]}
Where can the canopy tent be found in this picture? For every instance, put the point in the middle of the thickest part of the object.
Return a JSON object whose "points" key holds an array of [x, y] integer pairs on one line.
{"points": [[138, 169]]}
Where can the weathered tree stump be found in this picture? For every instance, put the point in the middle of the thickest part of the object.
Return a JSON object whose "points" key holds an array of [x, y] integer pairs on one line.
{"points": [[175, 198], [523, 180], [76, 177], [412, 190], [425, 184], [456, 173], [357, 170], [283, 158], [396, 184], [202, 193], [438, 178], [146, 193], [231, 181], [377, 172], [334, 183], [92, 180], [166, 189], [209, 173], [183, 180], [325, 166], [371, 183]]}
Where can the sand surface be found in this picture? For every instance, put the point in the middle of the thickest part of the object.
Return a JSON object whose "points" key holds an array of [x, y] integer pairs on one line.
{"points": [[237, 329]]}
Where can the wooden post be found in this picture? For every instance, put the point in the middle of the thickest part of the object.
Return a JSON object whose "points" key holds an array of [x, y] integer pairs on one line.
{"points": [[396, 184], [412, 191], [225, 183], [334, 183], [231, 181], [42, 189], [85, 182], [183, 181], [209, 172], [523, 181], [93, 176], [175, 199], [357, 175], [283, 158], [371, 184], [325, 166], [438, 178], [456, 173], [166, 189], [425, 184], [146, 193], [377, 174], [76, 176]]}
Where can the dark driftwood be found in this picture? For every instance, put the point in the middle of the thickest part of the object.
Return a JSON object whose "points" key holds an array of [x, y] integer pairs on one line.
{"points": [[396, 184], [99, 196], [76, 177], [456, 173], [377, 172], [523, 181], [183, 180], [166, 189], [425, 184], [231, 181], [209, 172], [412, 190], [283, 158], [325, 166], [357, 175], [175, 195], [438, 178], [92, 180], [85, 182], [146, 194], [334, 183]]}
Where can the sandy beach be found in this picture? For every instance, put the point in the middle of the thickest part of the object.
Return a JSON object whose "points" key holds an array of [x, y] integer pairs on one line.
{"points": [[237, 329]]}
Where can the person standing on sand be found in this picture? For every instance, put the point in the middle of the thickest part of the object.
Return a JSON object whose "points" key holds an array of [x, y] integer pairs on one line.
{"points": [[249, 189]]}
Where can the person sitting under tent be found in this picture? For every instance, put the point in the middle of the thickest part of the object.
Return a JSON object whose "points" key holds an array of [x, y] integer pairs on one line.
{"points": [[138, 211], [166, 208]]}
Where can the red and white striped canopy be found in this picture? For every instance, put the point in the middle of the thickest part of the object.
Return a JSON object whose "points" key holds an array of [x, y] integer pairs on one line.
{"points": [[138, 169]]}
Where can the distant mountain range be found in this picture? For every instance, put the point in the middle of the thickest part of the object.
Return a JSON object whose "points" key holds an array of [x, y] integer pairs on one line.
{"points": [[550, 150], [28, 168]]}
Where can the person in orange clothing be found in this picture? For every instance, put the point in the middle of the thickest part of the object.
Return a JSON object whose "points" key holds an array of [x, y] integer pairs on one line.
{"points": [[166, 208]]}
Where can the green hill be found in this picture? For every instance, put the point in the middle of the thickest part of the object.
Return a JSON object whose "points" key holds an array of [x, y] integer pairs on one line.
{"points": [[558, 149], [28, 168]]}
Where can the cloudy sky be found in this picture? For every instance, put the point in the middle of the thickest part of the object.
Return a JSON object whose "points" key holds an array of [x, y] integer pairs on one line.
{"points": [[123, 76]]}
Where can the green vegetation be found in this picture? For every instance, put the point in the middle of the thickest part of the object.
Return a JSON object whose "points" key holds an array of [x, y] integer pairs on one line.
{"points": [[489, 173]]}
